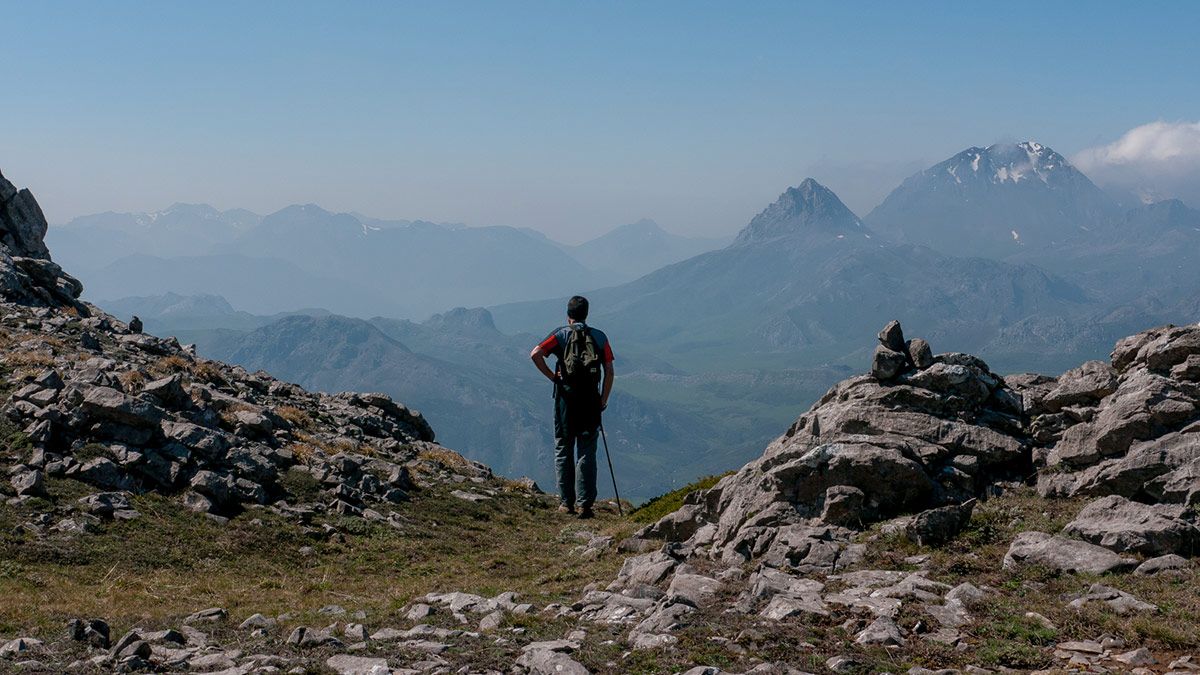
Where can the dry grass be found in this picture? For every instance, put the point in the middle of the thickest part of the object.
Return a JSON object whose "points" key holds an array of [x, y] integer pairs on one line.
{"points": [[303, 452], [169, 365], [208, 371], [296, 417], [171, 562], [443, 456], [132, 381], [29, 358]]}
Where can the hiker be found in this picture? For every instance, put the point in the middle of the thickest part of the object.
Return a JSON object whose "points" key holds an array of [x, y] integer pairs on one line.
{"points": [[580, 395]]}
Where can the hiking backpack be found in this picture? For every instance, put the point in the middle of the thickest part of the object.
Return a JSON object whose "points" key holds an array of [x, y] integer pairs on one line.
{"points": [[581, 363]]}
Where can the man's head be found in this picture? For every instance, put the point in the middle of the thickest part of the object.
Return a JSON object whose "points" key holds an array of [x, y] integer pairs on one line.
{"points": [[577, 309]]}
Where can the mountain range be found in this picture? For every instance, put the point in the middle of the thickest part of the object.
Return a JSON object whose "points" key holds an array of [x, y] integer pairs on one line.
{"points": [[718, 346], [303, 255]]}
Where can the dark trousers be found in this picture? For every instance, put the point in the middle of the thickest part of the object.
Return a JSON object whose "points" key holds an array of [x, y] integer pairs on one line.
{"points": [[574, 458]]}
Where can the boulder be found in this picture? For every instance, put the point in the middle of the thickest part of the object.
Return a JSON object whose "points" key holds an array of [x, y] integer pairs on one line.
{"points": [[938, 526], [105, 504], [347, 664], [1163, 563], [29, 484], [843, 506], [692, 589], [1063, 555], [168, 390], [892, 337], [546, 662], [882, 631], [887, 364], [106, 403], [1117, 523], [1086, 384], [919, 353]]}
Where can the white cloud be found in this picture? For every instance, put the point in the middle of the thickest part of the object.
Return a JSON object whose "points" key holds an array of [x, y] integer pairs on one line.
{"points": [[1156, 160]]}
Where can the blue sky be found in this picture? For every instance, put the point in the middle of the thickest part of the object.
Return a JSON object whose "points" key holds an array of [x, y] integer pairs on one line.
{"points": [[568, 117]]}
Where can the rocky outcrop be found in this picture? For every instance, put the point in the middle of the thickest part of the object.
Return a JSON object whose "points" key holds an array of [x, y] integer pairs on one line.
{"points": [[905, 439], [139, 413], [90, 398], [1128, 428], [27, 275]]}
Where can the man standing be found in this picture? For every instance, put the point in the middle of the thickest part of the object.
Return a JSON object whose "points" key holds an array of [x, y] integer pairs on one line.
{"points": [[580, 395]]}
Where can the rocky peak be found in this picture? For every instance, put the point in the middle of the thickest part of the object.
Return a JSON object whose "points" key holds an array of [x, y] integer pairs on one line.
{"points": [[311, 219], [474, 320], [23, 225], [995, 201], [807, 209], [27, 274], [1162, 216]]}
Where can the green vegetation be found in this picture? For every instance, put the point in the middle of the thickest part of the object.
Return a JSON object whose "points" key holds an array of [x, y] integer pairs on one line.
{"points": [[670, 502], [171, 562]]}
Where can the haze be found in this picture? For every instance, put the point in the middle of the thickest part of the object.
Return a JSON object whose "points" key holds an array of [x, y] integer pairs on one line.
{"points": [[571, 118]]}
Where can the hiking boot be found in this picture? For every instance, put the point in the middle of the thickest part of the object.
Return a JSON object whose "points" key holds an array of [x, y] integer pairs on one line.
{"points": [[566, 508], [586, 512]]}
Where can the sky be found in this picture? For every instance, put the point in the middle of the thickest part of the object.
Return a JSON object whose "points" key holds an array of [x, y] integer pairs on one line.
{"points": [[575, 117]]}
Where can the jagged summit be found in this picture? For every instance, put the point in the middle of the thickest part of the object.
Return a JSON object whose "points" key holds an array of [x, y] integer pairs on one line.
{"points": [[807, 208]]}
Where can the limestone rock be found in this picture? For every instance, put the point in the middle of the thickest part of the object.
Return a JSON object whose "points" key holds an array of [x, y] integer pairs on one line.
{"points": [[1064, 555], [347, 664], [1122, 525], [886, 363], [919, 353], [881, 631], [892, 337], [1161, 564]]}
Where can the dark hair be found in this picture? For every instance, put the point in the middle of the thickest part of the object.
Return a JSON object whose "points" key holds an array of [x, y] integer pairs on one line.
{"points": [[577, 308]]}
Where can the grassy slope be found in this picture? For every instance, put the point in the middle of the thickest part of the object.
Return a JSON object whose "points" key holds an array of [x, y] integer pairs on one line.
{"points": [[171, 562]]}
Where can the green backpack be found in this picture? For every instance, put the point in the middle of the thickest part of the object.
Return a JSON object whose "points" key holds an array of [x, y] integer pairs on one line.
{"points": [[581, 363]]}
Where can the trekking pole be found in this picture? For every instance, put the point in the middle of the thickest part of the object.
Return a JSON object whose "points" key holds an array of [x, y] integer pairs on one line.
{"points": [[607, 454]]}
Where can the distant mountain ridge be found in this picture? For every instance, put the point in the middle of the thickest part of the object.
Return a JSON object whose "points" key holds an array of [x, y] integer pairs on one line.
{"points": [[804, 276], [633, 250], [425, 267]]}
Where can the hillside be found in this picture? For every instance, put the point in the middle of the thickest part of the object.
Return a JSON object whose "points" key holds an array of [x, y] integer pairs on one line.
{"points": [[168, 513]]}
